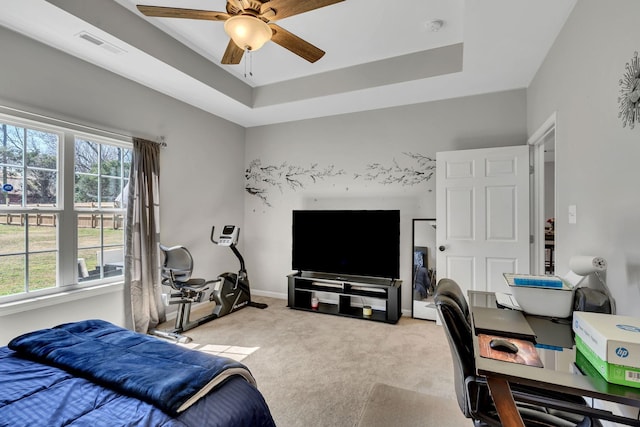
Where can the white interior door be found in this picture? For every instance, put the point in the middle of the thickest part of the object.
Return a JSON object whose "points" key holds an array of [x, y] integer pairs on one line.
{"points": [[482, 209]]}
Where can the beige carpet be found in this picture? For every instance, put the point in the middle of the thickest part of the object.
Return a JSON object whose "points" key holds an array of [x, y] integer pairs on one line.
{"points": [[234, 352], [392, 406], [319, 370]]}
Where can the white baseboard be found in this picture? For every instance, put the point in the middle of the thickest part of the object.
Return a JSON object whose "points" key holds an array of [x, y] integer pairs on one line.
{"points": [[277, 295]]}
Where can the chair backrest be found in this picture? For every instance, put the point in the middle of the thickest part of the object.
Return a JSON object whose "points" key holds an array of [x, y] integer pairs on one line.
{"points": [[458, 332], [177, 260], [451, 289]]}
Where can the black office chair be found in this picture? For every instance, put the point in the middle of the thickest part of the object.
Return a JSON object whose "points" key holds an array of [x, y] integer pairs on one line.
{"points": [[472, 392], [451, 289]]}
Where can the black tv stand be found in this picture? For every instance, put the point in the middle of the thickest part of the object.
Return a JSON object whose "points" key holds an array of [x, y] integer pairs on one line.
{"points": [[302, 286]]}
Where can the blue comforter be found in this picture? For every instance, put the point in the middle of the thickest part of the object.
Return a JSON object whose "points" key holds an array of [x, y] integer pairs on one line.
{"points": [[95, 373]]}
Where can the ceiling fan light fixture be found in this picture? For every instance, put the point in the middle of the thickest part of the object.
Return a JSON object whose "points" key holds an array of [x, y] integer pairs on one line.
{"points": [[247, 31]]}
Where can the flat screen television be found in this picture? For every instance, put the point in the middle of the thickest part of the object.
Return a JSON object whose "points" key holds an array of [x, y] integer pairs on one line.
{"points": [[350, 242]]}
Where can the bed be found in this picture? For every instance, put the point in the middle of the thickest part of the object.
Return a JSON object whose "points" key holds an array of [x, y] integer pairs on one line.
{"points": [[94, 373]]}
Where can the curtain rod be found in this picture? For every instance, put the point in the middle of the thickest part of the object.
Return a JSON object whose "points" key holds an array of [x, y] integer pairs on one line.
{"points": [[160, 140]]}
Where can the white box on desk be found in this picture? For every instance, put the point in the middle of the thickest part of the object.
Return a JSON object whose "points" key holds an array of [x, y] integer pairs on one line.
{"points": [[611, 344], [614, 338]]}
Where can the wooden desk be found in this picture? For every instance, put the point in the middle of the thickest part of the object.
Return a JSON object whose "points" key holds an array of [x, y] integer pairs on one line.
{"points": [[560, 372]]}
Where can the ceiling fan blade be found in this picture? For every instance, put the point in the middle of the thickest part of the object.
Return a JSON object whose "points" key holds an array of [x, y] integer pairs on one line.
{"points": [[233, 54], [286, 8], [173, 12], [295, 44]]}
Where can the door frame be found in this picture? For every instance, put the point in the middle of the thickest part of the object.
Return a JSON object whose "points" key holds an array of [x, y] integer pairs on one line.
{"points": [[537, 143]]}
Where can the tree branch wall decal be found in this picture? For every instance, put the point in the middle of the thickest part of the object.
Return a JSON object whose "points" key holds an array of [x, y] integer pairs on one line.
{"points": [[415, 174], [260, 179]]}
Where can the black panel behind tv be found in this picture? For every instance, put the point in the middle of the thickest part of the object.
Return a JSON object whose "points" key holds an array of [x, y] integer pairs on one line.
{"points": [[353, 242]]}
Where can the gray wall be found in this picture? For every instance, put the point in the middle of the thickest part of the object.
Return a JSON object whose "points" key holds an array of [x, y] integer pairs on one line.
{"points": [[597, 159], [350, 143], [201, 180]]}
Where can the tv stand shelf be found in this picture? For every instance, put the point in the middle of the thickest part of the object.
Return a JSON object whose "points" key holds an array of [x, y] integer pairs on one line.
{"points": [[302, 286]]}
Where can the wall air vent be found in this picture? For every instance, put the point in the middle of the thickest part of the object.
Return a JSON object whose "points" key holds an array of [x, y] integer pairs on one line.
{"points": [[99, 42]]}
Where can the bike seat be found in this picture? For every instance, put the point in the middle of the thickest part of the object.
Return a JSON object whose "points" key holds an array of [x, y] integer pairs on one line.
{"points": [[192, 284]]}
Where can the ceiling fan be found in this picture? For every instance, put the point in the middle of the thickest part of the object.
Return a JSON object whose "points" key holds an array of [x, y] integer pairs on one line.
{"points": [[249, 24]]}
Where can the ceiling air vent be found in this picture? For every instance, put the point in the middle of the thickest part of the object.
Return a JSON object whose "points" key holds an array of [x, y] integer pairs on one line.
{"points": [[99, 42]]}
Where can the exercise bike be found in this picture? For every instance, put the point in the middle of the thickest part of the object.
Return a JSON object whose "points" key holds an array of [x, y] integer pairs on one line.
{"points": [[230, 291], [233, 292]]}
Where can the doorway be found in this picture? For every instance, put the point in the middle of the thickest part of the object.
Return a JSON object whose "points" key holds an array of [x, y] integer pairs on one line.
{"points": [[544, 213], [423, 272]]}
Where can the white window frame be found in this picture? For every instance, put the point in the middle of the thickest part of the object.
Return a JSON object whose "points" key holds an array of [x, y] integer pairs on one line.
{"points": [[67, 241], [100, 210]]}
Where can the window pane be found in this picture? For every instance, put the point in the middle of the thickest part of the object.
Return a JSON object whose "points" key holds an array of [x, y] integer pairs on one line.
{"points": [[127, 155], [110, 164], [123, 197], [12, 238], [42, 232], [86, 179], [100, 258], [41, 187], [110, 188], [89, 230], [111, 261], [113, 230], [86, 156], [12, 176], [12, 279], [86, 192], [11, 145], [42, 149], [42, 270], [89, 243], [87, 262]]}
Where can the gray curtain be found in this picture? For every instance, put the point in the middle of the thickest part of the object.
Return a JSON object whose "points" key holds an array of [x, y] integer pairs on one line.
{"points": [[143, 289]]}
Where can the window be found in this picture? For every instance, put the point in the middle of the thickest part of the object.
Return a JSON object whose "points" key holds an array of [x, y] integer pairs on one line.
{"points": [[61, 208], [101, 176]]}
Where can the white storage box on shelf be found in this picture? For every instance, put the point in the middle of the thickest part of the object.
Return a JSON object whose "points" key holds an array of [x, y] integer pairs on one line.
{"points": [[541, 295]]}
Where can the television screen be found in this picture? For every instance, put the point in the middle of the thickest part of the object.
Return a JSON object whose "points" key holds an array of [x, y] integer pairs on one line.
{"points": [[354, 242]]}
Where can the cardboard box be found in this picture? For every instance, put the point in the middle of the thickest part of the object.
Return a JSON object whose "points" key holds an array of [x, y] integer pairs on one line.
{"points": [[611, 343]]}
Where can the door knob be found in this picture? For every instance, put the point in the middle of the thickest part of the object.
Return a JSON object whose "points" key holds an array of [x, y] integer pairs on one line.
{"points": [[441, 248]]}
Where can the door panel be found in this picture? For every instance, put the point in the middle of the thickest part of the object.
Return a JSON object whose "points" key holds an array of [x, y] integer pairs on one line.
{"points": [[461, 221], [495, 268], [461, 169], [462, 269], [501, 167], [501, 213], [482, 206]]}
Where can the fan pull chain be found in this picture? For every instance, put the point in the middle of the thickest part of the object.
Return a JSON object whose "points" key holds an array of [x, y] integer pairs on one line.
{"points": [[249, 60]]}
